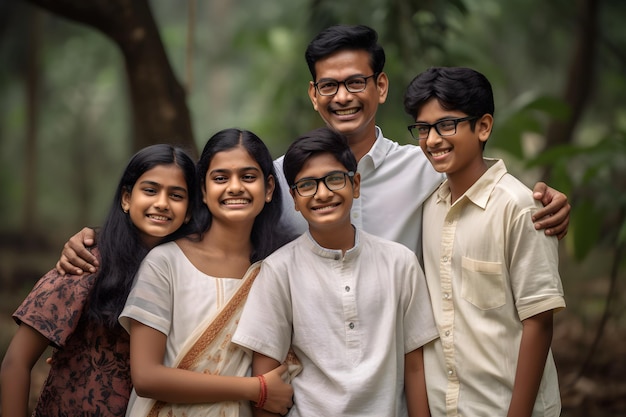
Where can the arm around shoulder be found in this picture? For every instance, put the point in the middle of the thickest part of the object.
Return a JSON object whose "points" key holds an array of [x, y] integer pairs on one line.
{"points": [[75, 257], [554, 216]]}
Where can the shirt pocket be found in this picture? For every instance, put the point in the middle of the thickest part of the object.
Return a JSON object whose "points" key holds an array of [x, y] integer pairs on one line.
{"points": [[482, 283]]}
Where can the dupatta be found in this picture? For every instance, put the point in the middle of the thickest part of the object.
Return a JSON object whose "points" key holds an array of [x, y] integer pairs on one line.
{"points": [[209, 350]]}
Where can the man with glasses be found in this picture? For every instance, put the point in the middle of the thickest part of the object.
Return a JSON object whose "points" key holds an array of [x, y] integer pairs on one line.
{"points": [[348, 84]]}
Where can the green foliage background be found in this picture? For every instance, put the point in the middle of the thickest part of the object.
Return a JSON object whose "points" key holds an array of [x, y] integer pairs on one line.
{"points": [[248, 70]]}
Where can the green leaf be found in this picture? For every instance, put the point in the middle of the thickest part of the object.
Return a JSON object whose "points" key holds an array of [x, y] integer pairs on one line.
{"points": [[585, 227]]}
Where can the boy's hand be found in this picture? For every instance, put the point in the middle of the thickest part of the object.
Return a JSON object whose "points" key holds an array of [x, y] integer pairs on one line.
{"points": [[75, 257], [554, 216]]}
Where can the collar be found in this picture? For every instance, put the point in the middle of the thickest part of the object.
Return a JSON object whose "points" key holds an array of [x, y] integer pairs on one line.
{"points": [[480, 191], [379, 150], [335, 254]]}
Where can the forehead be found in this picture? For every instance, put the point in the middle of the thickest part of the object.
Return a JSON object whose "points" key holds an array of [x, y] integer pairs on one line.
{"points": [[233, 159], [319, 165], [343, 64], [164, 175], [432, 111]]}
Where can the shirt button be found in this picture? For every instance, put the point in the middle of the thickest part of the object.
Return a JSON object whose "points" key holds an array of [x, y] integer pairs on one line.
{"points": [[447, 333], [445, 259], [337, 257], [351, 326], [446, 296], [450, 372], [347, 288]]}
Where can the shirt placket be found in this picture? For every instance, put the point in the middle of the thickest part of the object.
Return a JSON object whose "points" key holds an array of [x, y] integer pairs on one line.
{"points": [[447, 308], [350, 313]]}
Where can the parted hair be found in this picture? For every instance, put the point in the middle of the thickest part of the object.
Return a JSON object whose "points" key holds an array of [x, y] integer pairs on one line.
{"points": [[267, 233], [119, 242]]}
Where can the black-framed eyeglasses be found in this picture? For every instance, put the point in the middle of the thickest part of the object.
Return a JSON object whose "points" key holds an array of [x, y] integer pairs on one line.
{"points": [[334, 181], [446, 127], [354, 84]]}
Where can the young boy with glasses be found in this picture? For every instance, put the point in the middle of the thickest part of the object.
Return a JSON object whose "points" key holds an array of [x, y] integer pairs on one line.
{"points": [[493, 279], [354, 307]]}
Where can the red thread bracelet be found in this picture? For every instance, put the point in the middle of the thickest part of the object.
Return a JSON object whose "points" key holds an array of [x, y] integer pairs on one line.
{"points": [[262, 392]]}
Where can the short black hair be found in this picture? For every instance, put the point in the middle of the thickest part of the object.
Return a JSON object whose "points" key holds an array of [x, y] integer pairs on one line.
{"points": [[318, 141], [456, 88], [344, 37]]}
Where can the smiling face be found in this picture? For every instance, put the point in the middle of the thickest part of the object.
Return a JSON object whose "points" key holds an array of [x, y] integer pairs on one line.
{"points": [[235, 189], [327, 212], [352, 114], [458, 155], [157, 204]]}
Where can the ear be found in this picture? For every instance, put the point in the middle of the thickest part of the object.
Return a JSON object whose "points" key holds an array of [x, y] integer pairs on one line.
{"points": [[295, 199], [382, 85], [125, 201], [313, 94], [203, 189], [270, 185], [484, 125], [356, 185]]}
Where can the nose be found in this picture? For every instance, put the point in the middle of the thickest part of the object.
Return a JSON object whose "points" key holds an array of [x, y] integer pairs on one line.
{"points": [[323, 192], [433, 137], [342, 93], [235, 186], [162, 202]]}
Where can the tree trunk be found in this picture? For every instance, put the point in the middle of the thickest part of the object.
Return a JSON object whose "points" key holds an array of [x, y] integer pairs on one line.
{"points": [[580, 76], [31, 84], [160, 113]]}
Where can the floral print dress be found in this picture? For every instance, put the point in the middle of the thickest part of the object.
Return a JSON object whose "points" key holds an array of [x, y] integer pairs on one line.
{"points": [[90, 370]]}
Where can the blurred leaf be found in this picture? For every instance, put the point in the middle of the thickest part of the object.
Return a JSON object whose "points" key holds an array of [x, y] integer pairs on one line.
{"points": [[585, 226], [621, 237]]}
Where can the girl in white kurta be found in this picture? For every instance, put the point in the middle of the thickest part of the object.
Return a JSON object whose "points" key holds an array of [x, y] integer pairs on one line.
{"points": [[188, 294]]}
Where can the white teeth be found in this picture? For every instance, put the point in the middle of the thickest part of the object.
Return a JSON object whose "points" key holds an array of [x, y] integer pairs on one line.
{"points": [[439, 153], [346, 112], [158, 217], [236, 201], [325, 208]]}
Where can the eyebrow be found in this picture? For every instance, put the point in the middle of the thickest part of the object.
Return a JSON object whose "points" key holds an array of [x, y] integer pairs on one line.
{"points": [[347, 78], [225, 170], [158, 184]]}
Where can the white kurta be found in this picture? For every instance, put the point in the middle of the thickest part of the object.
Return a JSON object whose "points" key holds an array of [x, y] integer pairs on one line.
{"points": [[173, 297], [350, 319]]}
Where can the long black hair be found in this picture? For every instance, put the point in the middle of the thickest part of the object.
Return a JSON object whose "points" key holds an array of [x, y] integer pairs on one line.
{"points": [[119, 243], [267, 235]]}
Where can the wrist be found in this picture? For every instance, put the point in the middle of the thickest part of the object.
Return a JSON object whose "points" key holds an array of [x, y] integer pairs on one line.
{"points": [[262, 397]]}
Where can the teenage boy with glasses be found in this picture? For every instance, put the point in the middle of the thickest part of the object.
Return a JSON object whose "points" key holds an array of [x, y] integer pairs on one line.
{"points": [[493, 280], [353, 306]]}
